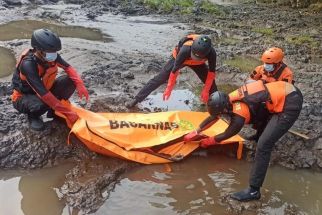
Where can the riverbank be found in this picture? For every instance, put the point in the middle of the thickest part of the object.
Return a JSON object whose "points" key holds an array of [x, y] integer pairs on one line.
{"points": [[115, 71]]}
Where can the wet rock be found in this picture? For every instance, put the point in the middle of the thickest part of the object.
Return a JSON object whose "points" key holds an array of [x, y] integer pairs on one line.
{"points": [[88, 184], [318, 144], [13, 2], [128, 75]]}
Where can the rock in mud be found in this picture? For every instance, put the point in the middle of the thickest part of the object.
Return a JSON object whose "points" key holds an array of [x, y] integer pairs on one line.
{"points": [[88, 185], [13, 2]]}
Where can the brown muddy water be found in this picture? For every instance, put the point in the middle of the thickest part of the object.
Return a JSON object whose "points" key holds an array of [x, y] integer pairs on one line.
{"points": [[33, 192], [192, 186], [195, 185], [22, 29], [7, 62]]}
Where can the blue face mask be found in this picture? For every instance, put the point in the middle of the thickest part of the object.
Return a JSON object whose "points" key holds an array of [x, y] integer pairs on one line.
{"points": [[50, 56], [269, 67]]}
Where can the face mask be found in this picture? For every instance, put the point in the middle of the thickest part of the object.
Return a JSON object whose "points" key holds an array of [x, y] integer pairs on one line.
{"points": [[50, 56], [269, 67]]}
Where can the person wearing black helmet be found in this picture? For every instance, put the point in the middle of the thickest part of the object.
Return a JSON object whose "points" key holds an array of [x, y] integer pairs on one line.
{"points": [[193, 51], [36, 88], [284, 103]]}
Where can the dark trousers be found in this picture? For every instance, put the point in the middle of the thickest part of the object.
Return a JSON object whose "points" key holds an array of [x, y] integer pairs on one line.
{"points": [[276, 127], [163, 76], [32, 105]]}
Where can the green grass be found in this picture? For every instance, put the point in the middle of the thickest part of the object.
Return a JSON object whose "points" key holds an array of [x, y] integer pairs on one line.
{"points": [[185, 6], [209, 7], [227, 88], [265, 31], [304, 39], [229, 41], [317, 8], [168, 5], [244, 63]]}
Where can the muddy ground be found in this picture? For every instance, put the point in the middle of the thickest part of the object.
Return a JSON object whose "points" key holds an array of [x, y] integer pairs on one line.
{"points": [[114, 74]]}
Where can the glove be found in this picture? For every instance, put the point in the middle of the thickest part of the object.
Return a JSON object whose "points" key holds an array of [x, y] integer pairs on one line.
{"points": [[204, 143], [191, 136], [81, 89], [55, 104], [171, 83], [205, 91]]}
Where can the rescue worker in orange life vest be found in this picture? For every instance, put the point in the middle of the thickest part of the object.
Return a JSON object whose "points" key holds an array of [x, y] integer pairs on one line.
{"points": [[273, 69], [193, 51], [36, 88], [283, 101]]}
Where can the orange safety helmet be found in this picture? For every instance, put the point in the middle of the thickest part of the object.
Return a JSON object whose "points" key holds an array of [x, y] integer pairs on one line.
{"points": [[273, 55]]}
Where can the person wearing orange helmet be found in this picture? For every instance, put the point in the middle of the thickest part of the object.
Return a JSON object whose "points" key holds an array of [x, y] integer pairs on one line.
{"points": [[273, 69]]}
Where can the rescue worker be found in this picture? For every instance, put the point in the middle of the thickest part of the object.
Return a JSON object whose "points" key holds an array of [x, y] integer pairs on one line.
{"points": [[36, 88], [273, 68], [283, 101], [193, 51]]}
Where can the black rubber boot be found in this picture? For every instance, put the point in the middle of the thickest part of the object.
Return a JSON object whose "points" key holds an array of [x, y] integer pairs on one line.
{"points": [[131, 103], [36, 123], [246, 195]]}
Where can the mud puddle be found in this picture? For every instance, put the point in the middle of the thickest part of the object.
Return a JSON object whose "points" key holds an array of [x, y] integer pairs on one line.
{"points": [[33, 192], [154, 190], [22, 29], [179, 100], [7, 62], [128, 32]]}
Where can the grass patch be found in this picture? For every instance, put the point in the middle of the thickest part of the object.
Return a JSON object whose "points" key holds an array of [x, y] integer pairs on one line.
{"points": [[245, 64], [229, 41], [227, 88], [185, 6], [302, 40], [168, 5], [316, 7], [265, 31], [209, 7]]}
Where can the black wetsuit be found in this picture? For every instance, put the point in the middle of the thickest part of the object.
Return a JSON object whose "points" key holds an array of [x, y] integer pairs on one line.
{"points": [[33, 88], [173, 65]]}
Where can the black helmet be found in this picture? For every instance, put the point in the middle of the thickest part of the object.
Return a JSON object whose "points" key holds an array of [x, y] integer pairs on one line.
{"points": [[45, 40], [218, 103], [201, 47]]}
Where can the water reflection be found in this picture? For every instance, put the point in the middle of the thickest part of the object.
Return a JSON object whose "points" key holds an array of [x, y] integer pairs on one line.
{"points": [[32, 192], [179, 100], [195, 186], [22, 29]]}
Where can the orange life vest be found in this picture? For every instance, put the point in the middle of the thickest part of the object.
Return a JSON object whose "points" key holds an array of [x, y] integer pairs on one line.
{"points": [[187, 41], [283, 73], [241, 109], [272, 94], [47, 75]]}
